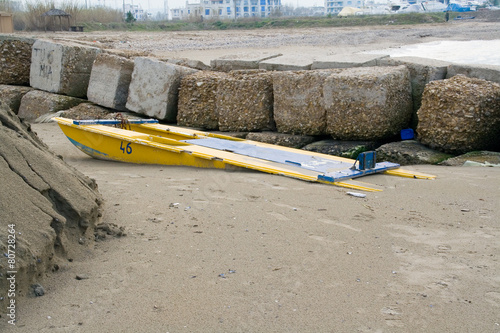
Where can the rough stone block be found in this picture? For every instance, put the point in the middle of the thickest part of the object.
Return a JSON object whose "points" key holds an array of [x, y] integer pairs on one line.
{"points": [[281, 139], [368, 103], [485, 72], [287, 63], [348, 61], [409, 152], [197, 100], [460, 114], [422, 71], [298, 101], [109, 81], [153, 90], [15, 60], [12, 95], [62, 68], [241, 61], [36, 103], [245, 102]]}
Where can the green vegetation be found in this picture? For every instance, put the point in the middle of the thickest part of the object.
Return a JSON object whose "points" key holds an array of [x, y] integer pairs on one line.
{"points": [[270, 23], [110, 19], [130, 18], [31, 18]]}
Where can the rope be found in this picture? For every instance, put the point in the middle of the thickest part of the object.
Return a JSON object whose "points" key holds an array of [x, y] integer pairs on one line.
{"points": [[124, 123]]}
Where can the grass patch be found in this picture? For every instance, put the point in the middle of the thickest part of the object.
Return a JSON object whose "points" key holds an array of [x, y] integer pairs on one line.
{"points": [[32, 19]]}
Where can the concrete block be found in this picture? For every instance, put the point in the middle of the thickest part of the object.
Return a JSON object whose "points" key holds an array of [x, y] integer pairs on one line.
{"points": [[484, 72], [367, 103], [348, 61], [287, 63], [298, 101], [15, 60], [197, 100], [460, 114], [109, 81], [12, 95], [422, 71], [241, 61], [62, 68], [245, 102], [154, 88], [37, 103]]}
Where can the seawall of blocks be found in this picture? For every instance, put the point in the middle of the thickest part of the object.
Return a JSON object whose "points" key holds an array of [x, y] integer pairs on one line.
{"points": [[356, 97]]}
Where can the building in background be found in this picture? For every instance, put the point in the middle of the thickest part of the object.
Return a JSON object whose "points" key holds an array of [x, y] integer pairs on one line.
{"points": [[227, 9], [335, 6], [136, 10]]}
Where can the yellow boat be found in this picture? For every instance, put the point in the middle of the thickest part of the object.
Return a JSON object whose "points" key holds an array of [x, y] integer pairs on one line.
{"points": [[148, 142]]}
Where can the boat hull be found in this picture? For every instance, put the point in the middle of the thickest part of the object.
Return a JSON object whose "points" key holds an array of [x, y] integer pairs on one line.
{"points": [[135, 149], [147, 143]]}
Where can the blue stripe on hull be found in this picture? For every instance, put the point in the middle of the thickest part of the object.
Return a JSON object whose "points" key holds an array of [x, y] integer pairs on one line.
{"points": [[90, 151]]}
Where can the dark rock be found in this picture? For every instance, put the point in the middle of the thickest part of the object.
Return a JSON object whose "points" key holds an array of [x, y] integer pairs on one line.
{"points": [[103, 230], [239, 135], [409, 152], [37, 103], [12, 95], [348, 149], [281, 139], [38, 290]]}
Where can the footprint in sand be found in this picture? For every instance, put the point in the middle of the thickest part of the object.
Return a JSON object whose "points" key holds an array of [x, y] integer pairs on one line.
{"points": [[443, 248], [392, 316], [493, 297]]}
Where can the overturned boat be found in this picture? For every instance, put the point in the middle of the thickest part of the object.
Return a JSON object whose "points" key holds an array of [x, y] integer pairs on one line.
{"points": [[145, 141]]}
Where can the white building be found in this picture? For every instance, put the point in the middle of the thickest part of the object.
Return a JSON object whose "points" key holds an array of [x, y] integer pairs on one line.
{"points": [[227, 9], [335, 6], [136, 10]]}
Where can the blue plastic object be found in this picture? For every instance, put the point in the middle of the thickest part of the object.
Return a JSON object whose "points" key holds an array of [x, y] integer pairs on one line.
{"points": [[407, 134], [367, 160]]}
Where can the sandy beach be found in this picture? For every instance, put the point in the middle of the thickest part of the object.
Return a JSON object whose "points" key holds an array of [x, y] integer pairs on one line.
{"points": [[243, 251], [218, 251]]}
